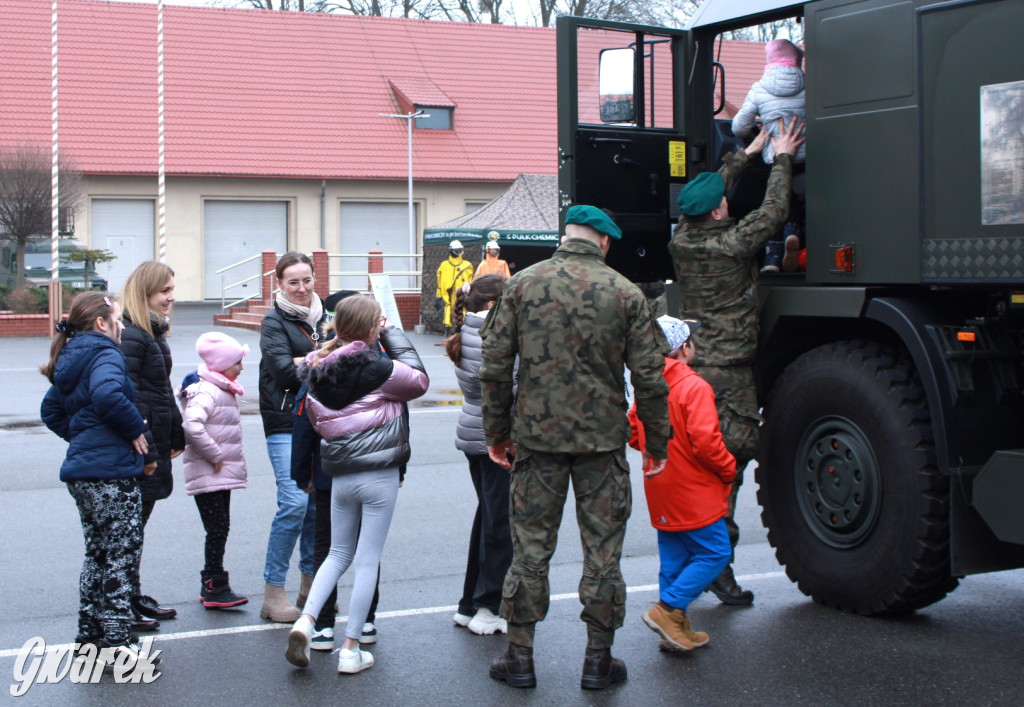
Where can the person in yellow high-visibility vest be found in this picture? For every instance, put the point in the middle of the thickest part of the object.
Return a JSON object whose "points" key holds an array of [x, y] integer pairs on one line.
{"points": [[452, 274]]}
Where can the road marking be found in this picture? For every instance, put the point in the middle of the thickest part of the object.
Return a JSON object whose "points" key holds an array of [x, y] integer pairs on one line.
{"points": [[206, 633]]}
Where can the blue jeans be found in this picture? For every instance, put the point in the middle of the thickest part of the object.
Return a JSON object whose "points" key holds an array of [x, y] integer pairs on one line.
{"points": [[690, 561], [294, 519]]}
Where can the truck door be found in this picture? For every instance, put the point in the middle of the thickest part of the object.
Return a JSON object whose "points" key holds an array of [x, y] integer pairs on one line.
{"points": [[621, 140]]}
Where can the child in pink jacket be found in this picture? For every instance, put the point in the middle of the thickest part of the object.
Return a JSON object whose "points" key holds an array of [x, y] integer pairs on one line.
{"points": [[214, 463]]}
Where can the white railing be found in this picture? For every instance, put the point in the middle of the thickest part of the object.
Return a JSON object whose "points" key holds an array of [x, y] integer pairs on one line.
{"points": [[224, 287], [353, 275]]}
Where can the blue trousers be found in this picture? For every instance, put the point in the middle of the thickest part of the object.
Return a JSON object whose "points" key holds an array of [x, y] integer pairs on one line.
{"points": [[295, 517], [690, 561]]}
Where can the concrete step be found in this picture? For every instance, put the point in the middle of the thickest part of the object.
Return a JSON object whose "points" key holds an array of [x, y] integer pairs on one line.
{"points": [[230, 321]]}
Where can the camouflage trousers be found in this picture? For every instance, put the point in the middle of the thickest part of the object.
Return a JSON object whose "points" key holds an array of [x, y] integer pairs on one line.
{"points": [[740, 421], [539, 487]]}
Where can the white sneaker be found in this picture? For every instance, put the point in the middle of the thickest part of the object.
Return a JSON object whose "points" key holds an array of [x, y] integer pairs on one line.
{"points": [[461, 620], [369, 634], [354, 661], [323, 640], [485, 623], [299, 639]]}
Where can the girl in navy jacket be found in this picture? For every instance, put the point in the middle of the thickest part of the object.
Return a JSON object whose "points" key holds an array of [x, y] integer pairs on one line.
{"points": [[91, 405]]}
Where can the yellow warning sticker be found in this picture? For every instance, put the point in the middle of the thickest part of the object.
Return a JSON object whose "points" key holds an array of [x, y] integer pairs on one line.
{"points": [[1017, 298], [677, 157]]}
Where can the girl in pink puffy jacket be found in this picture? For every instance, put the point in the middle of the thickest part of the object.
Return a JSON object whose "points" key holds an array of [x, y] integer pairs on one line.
{"points": [[355, 403], [214, 463]]}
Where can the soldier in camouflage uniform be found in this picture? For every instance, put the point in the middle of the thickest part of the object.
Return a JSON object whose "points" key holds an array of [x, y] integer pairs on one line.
{"points": [[716, 269], [575, 324]]}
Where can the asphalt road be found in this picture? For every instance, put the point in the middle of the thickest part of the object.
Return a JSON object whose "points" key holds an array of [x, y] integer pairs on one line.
{"points": [[783, 650]]}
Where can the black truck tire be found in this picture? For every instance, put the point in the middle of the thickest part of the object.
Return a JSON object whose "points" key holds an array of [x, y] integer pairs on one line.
{"points": [[847, 481]]}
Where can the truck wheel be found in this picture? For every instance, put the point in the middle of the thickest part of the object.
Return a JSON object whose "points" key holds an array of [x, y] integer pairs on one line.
{"points": [[847, 481]]}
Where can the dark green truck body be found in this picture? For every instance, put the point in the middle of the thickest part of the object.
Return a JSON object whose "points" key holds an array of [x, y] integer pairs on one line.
{"points": [[893, 390]]}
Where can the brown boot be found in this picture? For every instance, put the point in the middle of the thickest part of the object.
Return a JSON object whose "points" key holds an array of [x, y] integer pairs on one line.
{"points": [[669, 625], [276, 606], [601, 670], [305, 582], [728, 592], [697, 638], [515, 667]]}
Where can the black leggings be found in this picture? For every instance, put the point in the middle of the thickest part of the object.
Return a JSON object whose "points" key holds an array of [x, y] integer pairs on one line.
{"points": [[215, 511]]}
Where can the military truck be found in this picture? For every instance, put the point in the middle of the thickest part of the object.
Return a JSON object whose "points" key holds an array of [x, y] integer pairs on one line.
{"points": [[890, 373]]}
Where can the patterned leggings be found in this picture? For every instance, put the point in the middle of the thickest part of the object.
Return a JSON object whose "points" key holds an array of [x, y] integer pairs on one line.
{"points": [[215, 511], [111, 513]]}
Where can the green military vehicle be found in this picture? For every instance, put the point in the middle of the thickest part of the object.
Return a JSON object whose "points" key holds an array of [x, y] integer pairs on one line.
{"points": [[891, 372]]}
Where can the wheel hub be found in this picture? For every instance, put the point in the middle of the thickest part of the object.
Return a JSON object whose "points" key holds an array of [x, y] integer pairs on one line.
{"points": [[837, 481]]}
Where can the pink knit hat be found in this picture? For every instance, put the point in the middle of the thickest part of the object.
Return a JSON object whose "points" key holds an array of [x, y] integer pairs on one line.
{"points": [[782, 52], [220, 351]]}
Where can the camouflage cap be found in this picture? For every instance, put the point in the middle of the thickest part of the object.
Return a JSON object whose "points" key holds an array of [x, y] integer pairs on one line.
{"points": [[595, 218], [702, 194]]}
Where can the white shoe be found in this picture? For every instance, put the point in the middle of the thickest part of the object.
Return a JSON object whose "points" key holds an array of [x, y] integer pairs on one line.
{"points": [[486, 623], [299, 639], [323, 640], [369, 634], [354, 661], [461, 620]]}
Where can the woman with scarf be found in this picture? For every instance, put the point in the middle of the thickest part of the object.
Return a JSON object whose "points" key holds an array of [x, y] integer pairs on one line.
{"points": [[290, 330]]}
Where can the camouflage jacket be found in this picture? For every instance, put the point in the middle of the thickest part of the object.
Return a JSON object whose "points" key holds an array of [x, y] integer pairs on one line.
{"points": [[575, 324], [716, 268]]}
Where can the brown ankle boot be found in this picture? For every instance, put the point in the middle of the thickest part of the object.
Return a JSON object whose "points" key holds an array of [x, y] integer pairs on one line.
{"points": [[601, 670], [276, 606], [669, 625], [515, 667], [305, 582], [697, 638]]}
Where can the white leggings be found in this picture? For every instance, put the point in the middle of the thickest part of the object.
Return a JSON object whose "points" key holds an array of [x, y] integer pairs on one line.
{"points": [[362, 505]]}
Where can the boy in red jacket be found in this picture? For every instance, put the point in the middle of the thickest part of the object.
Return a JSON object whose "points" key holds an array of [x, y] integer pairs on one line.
{"points": [[689, 500]]}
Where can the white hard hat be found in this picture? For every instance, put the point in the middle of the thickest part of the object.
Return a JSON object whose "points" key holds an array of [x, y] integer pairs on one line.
{"points": [[492, 245], [455, 244]]}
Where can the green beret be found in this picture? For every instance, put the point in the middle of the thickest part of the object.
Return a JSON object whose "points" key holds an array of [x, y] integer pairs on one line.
{"points": [[702, 194], [595, 218]]}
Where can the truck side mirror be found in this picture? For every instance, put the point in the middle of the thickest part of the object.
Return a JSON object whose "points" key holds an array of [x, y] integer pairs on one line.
{"points": [[615, 85]]}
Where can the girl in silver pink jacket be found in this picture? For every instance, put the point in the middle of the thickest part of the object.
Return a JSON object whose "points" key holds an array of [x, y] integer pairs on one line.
{"points": [[214, 462], [356, 403]]}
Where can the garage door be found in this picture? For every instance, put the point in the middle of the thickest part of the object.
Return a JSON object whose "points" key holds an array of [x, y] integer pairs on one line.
{"points": [[236, 230], [125, 227], [367, 225]]}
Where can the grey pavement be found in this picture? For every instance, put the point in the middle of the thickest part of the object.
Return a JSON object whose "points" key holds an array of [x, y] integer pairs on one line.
{"points": [[784, 650]]}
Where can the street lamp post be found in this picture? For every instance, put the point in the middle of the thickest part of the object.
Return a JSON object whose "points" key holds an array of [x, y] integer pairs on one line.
{"points": [[408, 118]]}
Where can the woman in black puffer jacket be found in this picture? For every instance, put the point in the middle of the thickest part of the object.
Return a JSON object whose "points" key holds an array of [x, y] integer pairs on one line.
{"points": [[148, 295]]}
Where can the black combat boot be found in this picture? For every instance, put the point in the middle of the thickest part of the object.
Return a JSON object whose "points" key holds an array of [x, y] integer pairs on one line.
{"points": [[515, 667], [728, 592], [601, 670]]}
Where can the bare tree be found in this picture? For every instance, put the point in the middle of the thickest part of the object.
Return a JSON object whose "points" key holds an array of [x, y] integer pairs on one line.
{"points": [[25, 201]]}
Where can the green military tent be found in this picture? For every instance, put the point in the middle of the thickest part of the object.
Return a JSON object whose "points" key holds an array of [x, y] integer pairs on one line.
{"points": [[523, 220]]}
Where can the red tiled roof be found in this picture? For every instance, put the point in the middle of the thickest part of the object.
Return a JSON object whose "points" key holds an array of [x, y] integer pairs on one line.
{"points": [[286, 94]]}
